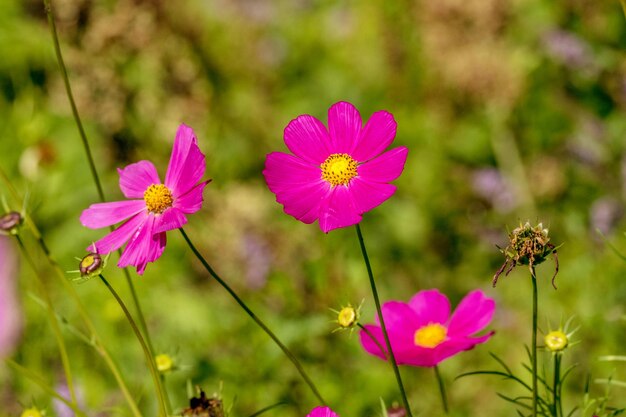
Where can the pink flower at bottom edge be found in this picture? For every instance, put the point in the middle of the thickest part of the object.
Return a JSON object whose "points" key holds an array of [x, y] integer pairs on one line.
{"points": [[10, 312], [153, 207], [422, 332], [322, 412], [338, 174]]}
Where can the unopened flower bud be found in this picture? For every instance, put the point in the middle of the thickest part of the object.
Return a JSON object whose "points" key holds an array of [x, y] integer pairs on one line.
{"points": [[10, 222], [347, 317], [91, 264], [164, 362], [556, 341], [31, 412]]}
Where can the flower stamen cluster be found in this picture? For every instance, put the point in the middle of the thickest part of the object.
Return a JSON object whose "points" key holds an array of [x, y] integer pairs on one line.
{"points": [[339, 169], [158, 198]]}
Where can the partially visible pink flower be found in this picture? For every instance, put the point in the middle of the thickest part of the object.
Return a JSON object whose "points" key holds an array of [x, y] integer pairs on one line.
{"points": [[154, 207], [10, 312], [338, 174], [322, 412], [422, 332]]}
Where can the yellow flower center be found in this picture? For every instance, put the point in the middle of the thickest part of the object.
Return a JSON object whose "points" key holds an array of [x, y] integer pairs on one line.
{"points": [[339, 169], [556, 341], [346, 317], [158, 198], [164, 362], [430, 335]]}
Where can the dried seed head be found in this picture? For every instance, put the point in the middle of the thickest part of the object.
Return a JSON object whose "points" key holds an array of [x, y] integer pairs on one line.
{"points": [[528, 245], [204, 407]]}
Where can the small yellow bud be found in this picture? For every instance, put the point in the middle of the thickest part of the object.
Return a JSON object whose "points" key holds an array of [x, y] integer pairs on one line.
{"points": [[31, 412], [164, 362], [556, 341], [347, 317]]}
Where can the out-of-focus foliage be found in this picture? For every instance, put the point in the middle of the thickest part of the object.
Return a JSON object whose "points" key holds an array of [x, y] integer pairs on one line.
{"points": [[513, 110]]}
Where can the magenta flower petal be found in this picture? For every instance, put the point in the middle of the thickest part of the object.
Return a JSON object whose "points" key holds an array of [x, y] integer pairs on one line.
{"points": [[326, 179], [377, 135], [105, 214], [162, 207], [187, 163], [119, 236], [420, 333], [322, 412], [338, 210], [344, 125], [368, 195], [10, 312], [385, 168], [297, 185], [430, 306], [170, 219], [307, 138], [136, 178], [472, 315], [142, 247], [192, 200]]}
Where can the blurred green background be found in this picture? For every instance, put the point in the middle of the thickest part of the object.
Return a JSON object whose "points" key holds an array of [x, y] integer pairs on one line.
{"points": [[513, 110]]}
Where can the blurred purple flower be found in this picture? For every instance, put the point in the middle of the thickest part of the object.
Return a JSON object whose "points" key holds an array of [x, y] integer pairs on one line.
{"points": [[60, 408], [489, 184], [10, 312], [605, 213], [258, 260], [568, 49]]}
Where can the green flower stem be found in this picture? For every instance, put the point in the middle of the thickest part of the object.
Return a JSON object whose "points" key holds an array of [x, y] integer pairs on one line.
{"points": [[54, 323], [90, 160], [44, 386], [442, 389], [97, 342], [253, 316], [390, 356], [556, 387], [534, 341], [151, 363]]}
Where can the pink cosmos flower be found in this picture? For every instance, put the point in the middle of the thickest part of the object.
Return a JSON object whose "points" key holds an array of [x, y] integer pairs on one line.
{"points": [[154, 207], [10, 313], [422, 332], [338, 174], [322, 412]]}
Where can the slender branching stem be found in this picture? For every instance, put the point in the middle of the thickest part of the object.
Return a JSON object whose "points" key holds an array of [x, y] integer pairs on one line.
{"points": [[254, 317], [534, 341], [144, 347], [52, 318], [390, 355], [442, 389]]}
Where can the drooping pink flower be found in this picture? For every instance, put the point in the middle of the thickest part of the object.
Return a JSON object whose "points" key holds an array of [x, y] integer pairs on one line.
{"points": [[153, 207], [322, 412], [10, 312], [422, 332], [338, 174]]}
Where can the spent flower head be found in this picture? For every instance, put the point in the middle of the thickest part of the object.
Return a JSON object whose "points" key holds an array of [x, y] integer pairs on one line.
{"points": [[202, 406], [528, 245]]}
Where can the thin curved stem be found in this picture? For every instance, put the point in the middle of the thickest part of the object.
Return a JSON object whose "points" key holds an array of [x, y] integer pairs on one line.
{"points": [[254, 317], [371, 336], [390, 355], [442, 389], [44, 386], [54, 322], [144, 347], [100, 348], [534, 341], [90, 160]]}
